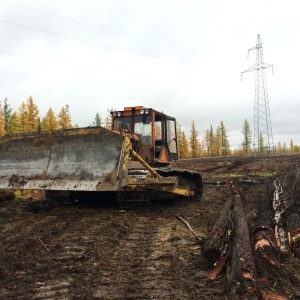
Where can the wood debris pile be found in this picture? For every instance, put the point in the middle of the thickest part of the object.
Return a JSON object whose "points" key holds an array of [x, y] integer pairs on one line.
{"points": [[252, 257]]}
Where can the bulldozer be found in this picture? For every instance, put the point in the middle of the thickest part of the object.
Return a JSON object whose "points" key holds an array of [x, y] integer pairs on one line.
{"points": [[132, 161]]}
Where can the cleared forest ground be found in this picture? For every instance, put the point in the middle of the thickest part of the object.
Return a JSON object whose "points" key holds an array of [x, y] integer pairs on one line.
{"points": [[103, 252]]}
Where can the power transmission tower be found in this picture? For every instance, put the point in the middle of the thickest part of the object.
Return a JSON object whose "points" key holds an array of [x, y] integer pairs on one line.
{"points": [[263, 137]]}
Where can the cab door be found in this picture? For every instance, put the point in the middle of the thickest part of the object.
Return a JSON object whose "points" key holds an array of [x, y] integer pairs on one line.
{"points": [[165, 142]]}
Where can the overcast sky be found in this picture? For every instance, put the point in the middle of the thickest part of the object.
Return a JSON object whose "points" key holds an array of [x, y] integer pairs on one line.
{"points": [[182, 57]]}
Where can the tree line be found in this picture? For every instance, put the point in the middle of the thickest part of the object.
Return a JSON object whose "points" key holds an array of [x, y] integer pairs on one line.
{"points": [[215, 142], [27, 118]]}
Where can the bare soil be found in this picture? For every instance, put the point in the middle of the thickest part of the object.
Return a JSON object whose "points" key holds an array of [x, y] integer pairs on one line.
{"points": [[99, 251]]}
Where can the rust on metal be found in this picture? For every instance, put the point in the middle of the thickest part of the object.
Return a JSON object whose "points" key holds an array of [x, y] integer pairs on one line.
{"points": [[86, 159]]}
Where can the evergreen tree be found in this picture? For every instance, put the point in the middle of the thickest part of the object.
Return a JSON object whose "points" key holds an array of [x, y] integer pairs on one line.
{"points": [[97, 121], [247, 137], [194, 143], [7, 114], [49, 122], [284, 147], [33, 115], [216, 143], [213, 141], [64, 118], [224, 147], [2, 121], [15, 125]]}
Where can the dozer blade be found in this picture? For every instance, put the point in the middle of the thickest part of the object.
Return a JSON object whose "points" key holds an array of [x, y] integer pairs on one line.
{"points": [[83, 159]]}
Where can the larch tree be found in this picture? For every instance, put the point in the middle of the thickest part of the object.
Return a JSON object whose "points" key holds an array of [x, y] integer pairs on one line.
{"points": [[64, 118], [7, 114], [184, 146], [207, 142], [107, 123], [193, 141], [33, 115], [182, 143], [202, 148], [49, 122], [247, 137], [213, 140], [2, 122], [179, 139], [15, 125], [279, 147], [108, 119], [23, 120]]}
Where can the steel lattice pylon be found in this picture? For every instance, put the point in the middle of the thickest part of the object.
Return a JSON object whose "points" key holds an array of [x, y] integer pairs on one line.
{"points": [[263, 137]]}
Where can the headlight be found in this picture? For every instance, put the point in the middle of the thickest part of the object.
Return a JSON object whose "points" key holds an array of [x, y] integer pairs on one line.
{"points": [[119, 114], [142, 111], [114, 113], [146, 111]]}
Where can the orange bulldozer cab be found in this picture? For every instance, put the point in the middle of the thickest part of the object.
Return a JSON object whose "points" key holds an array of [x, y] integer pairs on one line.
{"points": [[153, 133]]}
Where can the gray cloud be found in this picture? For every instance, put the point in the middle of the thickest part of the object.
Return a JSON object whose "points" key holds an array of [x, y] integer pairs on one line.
{"points": [[91, 78]]}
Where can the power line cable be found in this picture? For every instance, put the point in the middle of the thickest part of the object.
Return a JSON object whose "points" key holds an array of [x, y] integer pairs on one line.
{"points": [[102, 28], [97, 44], [89, 66]]}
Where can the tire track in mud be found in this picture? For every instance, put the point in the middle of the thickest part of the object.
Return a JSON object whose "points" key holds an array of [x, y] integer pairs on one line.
{"points": [[137, 266], [103, 253], [73, 253], [46, 250], [140, 261]]}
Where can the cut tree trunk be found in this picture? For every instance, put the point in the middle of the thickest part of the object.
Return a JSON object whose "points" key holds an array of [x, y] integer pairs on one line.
{"points": [[216, 243], [264, 236], [292, 216], [243, 273]]}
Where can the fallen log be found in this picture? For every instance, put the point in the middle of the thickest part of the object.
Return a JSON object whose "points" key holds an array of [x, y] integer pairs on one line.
{"points": [[292, 216], [213, 274], [280, 206], [215, 245], [264, 236], [243, 272], [280, 269], [238, 181]]}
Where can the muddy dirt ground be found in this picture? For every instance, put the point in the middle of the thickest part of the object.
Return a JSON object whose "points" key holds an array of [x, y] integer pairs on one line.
{"points": [[89, 251]]}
